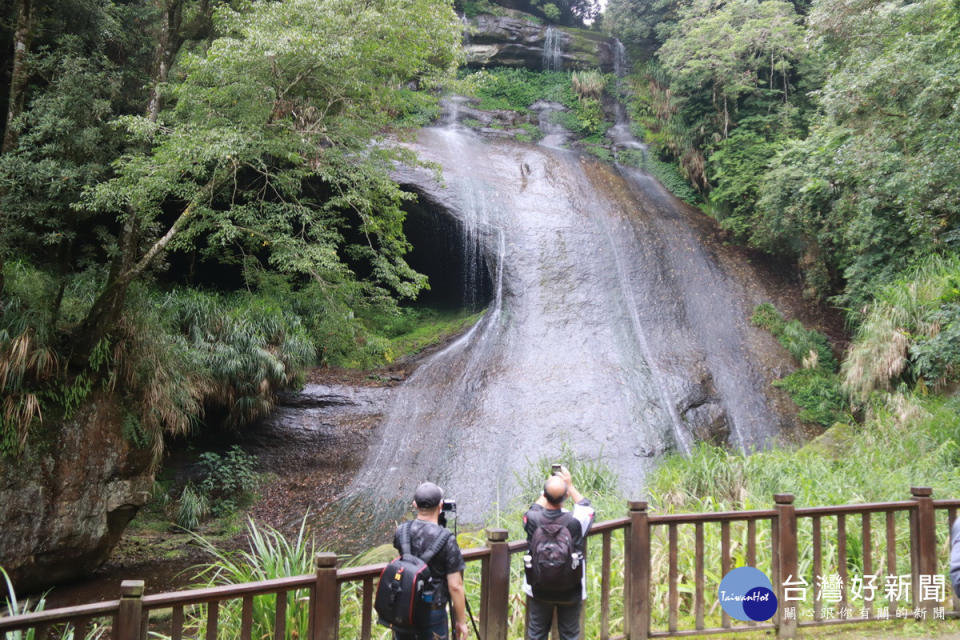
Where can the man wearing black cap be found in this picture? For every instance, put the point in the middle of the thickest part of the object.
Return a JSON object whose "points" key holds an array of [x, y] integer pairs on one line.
{"points": [[447, 565], [542, 600]]}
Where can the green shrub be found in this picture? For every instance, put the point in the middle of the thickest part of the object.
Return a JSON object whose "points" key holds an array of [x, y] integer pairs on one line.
{"points": [[229, 480], [909, 332], [817, 392], [516, 89], [805, 345], [815, 388], [668, 173]]}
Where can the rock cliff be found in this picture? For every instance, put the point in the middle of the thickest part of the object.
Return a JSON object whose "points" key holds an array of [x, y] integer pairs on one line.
{"points": [[65, 503], [519, 40]]}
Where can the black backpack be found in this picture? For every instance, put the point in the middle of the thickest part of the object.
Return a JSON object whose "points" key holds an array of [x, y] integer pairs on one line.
{"points": [[555, 565], [407, 586]]}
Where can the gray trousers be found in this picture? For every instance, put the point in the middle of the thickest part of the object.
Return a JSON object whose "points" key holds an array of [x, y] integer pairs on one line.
{"points": [[540, 619]]}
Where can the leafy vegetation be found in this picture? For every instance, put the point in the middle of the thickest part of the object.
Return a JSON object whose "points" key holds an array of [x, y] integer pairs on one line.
{"points": [[222, 144], [516, 89], [809, 141], [910, 332], [815, 387]]}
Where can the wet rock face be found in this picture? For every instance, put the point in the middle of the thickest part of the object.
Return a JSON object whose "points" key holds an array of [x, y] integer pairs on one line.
{"points": [[702, 411], [515, 41], [65, 504]]}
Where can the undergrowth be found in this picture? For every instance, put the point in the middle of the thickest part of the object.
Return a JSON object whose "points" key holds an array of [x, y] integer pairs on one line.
{"points": [[815, 387], [181, 355]]}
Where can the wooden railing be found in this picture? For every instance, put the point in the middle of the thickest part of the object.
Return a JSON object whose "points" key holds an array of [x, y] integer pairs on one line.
{"points": [[652, 589]]}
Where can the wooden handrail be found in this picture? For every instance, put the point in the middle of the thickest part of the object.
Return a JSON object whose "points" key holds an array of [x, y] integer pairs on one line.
{"points": [[63, 614], [131, 613]]}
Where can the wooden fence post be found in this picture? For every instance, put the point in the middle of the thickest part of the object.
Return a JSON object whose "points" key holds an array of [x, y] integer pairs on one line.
{"points": [[130, 613], [924, 546], [786, 551], [325, 607], [494, 610], [637, 591]]}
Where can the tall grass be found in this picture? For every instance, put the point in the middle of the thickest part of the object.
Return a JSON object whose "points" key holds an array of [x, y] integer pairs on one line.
{"points": [[588, 84], [270, 555], [97, 628], [904, 314]]}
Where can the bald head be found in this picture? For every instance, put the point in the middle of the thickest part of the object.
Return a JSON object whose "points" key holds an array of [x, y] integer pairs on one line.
{"points": [[555, 490]]}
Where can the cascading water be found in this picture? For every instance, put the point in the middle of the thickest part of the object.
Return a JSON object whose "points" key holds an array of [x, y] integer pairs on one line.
{"points": [[551, 50], [619, 60], [616, 329]]}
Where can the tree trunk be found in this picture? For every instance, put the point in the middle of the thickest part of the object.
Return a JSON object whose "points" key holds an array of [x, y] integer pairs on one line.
{"points": [[726, 117], [168, 44], [18, 78], [105, 312]]}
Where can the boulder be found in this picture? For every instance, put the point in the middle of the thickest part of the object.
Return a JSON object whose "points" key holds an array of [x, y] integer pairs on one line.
{"points": [[64, 503], [518, 40]]}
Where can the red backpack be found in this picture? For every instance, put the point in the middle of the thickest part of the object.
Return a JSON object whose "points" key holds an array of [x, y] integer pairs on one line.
{"points": [[407, 586]]}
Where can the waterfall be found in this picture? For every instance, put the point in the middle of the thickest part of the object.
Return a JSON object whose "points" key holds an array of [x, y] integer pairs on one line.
{"points": [[466, 29], [616, 329], [551, 50], [619, 60]]}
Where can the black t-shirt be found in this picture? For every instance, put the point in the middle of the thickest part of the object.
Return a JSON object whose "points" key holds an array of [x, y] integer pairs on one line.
{"points": [[448, 560]]}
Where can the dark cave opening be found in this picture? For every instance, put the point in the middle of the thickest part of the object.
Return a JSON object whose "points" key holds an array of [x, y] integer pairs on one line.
{"points": [[458, 270]]}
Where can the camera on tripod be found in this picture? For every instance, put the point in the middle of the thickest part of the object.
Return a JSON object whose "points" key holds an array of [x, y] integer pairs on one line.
{"points": [[448, 504]]}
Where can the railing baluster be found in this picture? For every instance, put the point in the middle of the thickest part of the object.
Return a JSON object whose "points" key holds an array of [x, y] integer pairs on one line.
{"points": [[698, 595], [176, 623], [605, 588], [367, 610], [925, 541], [725, 561], [280, 617], [752, 542], [787, 550], [497, 604], [213, 613], [246, 618], [637, 572], [951, 516], [842, 558], [673, 593], [484, 591], [81, 626], [891, 556], [817, 566], [130, 612], [867, 556]]}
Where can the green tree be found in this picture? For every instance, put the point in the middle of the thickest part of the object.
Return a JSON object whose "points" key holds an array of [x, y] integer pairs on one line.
{"points": [[731, 48], [874, 188], [267, 147]]}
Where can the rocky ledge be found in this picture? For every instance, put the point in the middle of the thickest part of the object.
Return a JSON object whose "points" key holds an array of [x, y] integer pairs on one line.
{"points": [[519, 40]]}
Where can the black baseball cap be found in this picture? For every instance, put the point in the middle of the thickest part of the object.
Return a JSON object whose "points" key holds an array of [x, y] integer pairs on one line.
{"points": [[428, 495]]}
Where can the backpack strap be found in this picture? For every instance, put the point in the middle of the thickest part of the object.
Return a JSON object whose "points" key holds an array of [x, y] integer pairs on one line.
{"points": [[403, 537], [438, 544]]}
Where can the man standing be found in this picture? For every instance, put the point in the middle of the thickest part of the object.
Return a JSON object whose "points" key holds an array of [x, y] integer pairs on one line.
{"points": [[445, 567], [554, 578]]}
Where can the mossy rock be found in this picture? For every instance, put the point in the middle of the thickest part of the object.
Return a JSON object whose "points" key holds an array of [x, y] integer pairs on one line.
{"points": [[832, 443]]}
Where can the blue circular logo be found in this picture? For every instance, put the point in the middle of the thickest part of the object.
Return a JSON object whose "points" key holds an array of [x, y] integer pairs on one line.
{"points": [[746, 593]]}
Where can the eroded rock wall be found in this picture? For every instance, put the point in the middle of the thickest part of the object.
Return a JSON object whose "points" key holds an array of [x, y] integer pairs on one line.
{"points": [[65, 503], [518, 40]]}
